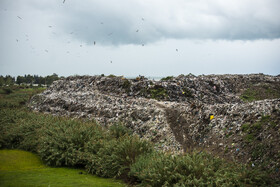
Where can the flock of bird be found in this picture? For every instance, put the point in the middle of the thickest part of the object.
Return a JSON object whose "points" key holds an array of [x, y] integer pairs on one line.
{"points": [[94, 42]]}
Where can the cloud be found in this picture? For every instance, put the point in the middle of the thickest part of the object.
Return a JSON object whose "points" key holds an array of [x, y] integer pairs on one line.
{"points": [[114, 22], [144, 21]]}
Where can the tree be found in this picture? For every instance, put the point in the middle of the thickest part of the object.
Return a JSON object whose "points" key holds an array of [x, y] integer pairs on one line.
{"points": [[20, 79]]}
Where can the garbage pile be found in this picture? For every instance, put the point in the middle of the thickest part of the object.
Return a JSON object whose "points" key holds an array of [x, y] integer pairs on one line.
{"points": [[206, 112]]}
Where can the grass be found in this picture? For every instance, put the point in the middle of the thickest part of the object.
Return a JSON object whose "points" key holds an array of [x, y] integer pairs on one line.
{"points": [[260, 92], [21, 168]]}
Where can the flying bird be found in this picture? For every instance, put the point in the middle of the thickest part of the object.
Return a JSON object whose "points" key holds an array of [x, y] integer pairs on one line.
{"points": [[176, 49], [94, 43], [46, 50], [143, 19], [17, 40], [81, 45], [50, 26], [19, 17], [63, 1], [111, 61], [137, 30]]}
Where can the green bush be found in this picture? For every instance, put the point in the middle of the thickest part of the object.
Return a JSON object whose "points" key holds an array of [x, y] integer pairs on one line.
{"points": [[196, 169], [18, 129], [65, 142], [116, 156], [118, 130]]}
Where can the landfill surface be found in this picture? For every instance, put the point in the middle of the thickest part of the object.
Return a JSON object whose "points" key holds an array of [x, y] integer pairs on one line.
{"points": [[236, 117]]}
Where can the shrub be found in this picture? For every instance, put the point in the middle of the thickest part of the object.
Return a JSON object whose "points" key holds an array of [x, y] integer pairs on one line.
{"points": [[115, 157], [18, 129], [64, 142], [7, 90], [196, 169], [118, 130]]}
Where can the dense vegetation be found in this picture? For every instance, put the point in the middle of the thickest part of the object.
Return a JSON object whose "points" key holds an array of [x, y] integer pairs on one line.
{"points": [[28, 79], [111, 152]]}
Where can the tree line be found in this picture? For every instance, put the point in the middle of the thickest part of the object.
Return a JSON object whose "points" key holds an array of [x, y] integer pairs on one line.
{"points": [[28, 79]]}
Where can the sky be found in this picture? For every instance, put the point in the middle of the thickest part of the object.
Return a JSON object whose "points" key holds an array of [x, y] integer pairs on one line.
{"points": [[153, 38]]}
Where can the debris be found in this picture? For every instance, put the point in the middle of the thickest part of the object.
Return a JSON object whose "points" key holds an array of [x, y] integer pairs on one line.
{"points": [[176, 122]]}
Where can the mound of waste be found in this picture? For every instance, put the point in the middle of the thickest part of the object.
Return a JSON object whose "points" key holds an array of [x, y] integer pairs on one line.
{"points": [[234, 116]]}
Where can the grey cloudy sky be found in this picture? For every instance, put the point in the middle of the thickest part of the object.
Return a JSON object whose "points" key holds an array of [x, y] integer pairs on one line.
{"points": [[146, 37]]}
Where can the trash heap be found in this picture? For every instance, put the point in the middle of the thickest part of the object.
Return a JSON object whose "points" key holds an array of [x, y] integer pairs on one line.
{"points": [[234, 116]]}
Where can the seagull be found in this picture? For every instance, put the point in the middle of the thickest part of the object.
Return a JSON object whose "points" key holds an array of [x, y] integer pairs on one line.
{"points": [[94, 43], [46, 50], [17, 40], [63, 1], [142, 44], [101, 23], [176, 49], [111, 61], [110, 34], [143, 19], [81, 45], [137, 30], [19, 17], [50, 26]]}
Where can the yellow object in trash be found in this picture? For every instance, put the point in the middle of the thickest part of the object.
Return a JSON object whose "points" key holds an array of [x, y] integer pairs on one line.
{"points": [[211, 117]]}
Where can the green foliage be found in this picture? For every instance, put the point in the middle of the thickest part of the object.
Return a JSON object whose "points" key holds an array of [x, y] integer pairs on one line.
{"points": [[260, 92], [167, 78], [64, 142], [196, 169], [158, 93], [252, 130], [18, 97], [7, 90], [245, 127], [116, 156], [111, 76], [126, 85], [118, 130], [249, 138]]}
